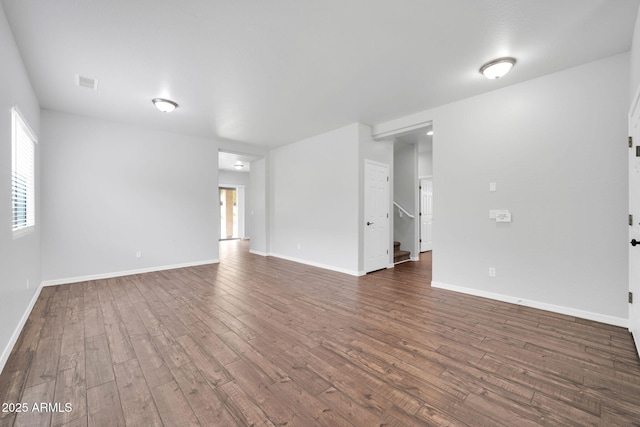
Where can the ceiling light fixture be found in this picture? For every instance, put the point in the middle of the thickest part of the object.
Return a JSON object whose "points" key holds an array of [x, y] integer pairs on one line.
{"points": [[430, 133], [497, 68], [164, 105], [238, 165]]}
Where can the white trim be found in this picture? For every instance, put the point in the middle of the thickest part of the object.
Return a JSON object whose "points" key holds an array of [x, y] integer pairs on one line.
{"points": [[636, 340], [253, 251], [632, 108], [402, 130], [316, 264], [30, 131], [23, 231], [16, 334], [78, 279], [414, 258], [597, 317]]}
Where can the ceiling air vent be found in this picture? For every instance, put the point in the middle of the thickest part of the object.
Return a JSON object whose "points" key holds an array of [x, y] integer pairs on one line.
{"points": [[86, 82]]}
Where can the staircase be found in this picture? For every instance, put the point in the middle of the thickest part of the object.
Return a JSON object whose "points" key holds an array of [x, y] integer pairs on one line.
{"points": [[400, 255]]}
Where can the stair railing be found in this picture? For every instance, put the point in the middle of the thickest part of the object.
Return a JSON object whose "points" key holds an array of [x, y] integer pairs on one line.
{"points": [[401, 209]]}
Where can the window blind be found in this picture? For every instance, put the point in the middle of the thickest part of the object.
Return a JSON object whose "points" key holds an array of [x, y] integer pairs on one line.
{"points": [[22, 174]]}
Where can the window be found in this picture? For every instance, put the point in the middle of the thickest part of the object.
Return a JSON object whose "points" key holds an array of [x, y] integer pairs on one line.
{"points": [[22, 175]]}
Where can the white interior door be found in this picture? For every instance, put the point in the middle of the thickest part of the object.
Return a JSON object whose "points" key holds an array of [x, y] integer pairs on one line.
{"points": [[376, 216], [426, 214], [634, 227]]}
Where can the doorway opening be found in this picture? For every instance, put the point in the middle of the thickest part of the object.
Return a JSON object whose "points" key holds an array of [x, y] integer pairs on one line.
{"points": [[425, 175], [242, 189], [413, 190], [229, 218]]}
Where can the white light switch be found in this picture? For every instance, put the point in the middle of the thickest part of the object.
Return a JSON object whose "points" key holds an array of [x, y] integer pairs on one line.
{"points": [[503, 216], [500, 215], [492, 186]]}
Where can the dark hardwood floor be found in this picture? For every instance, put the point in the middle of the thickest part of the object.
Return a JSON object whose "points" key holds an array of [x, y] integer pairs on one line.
{"points": [[267, 342]]}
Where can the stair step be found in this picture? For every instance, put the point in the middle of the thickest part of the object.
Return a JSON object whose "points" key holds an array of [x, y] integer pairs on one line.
{"points": [[399, 256]]}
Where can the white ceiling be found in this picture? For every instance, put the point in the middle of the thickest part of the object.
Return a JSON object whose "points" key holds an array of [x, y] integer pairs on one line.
{"points": [[273, 72]]}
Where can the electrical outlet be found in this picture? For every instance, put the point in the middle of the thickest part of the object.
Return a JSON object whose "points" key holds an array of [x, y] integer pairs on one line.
{"points": [[299, 246], [492, 272], [27, 283], [139, 254]]}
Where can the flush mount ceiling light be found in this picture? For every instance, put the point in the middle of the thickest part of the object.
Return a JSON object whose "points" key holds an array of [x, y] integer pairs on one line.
{"points": [[497, 68], [164, 105], [238, 165], [430, 133]]}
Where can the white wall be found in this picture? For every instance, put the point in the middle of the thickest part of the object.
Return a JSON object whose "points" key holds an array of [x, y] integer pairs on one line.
{"points": [[556, 147], [425, 161], [243, 179], [258, 214], [634, 82], [110, 190], [19, 258], [314, 200]]}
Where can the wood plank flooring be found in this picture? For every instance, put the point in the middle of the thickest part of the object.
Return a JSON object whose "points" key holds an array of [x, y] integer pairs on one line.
{"points": [[260, 341]]}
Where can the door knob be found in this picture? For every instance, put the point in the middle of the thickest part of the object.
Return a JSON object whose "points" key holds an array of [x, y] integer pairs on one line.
{"points": [[634, 242], [370, 223]]}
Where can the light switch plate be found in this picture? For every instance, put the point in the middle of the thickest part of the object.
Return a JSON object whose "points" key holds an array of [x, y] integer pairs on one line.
{"points": [[492, 186], [503, 216]]}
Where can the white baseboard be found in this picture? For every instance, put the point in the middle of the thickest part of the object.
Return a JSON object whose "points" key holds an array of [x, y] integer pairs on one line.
{"points": [[6, 352], [251, 251], [415, 258], [636, 340], [597, 317], [78, 279], [319, 265]]}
